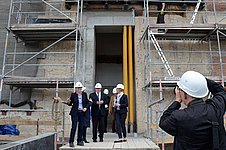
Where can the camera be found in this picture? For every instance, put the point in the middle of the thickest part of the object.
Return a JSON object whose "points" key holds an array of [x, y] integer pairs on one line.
{"points": [[174, 90]]}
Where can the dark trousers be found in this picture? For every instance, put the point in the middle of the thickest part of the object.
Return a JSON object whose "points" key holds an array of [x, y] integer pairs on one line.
{"points": [[106, 121], [98, 123], [120, 124], [76, 118], [113, 121], [84, 133]]}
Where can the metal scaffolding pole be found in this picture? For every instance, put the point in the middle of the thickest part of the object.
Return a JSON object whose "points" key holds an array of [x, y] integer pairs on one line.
{"points": [[220, 58], [76, 47], [211, 56], [5, 50]]}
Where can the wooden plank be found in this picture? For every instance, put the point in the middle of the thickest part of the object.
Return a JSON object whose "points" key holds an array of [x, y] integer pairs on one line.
{"points": [[131, 143], [12, 138], [108, 144], [141, 144], [117, 146], [125, 145], [27, 122], [151, 144]]}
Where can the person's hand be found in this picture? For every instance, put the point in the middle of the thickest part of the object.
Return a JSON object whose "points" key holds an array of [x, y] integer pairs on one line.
{"points": [[84, 109], [117, 104], [68, 100], [57, 98], [90, 100], [101, 102], [178, 97]]}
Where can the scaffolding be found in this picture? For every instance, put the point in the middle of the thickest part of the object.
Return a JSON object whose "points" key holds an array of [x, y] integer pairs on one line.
{"points": [[45, 23], [201, 33]]}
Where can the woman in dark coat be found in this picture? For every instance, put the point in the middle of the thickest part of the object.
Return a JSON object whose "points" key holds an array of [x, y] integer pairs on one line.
{"points": [[120, 105], [86, 119]]}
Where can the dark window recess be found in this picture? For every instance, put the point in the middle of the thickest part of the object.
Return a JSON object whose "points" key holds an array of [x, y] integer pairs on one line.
{"points": [[42, 21]]}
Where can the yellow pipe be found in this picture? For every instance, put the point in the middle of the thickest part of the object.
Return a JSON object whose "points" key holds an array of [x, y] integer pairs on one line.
{"points": [[125, 65], [130, 64]]}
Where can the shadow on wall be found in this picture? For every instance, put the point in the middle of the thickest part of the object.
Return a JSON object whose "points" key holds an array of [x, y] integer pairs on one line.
{"points": [[31, 104]]}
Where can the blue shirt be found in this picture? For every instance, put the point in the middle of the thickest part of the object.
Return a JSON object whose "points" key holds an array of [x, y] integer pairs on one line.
{"points": [[80, 107]]}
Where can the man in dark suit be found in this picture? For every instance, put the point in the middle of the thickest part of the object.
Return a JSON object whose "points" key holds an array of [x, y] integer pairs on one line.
{"points": [[80, 103], [98, 111]]}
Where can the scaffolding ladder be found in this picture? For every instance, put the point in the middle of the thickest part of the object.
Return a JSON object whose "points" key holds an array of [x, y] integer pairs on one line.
{"points": [[195, 12], [161, 54]]}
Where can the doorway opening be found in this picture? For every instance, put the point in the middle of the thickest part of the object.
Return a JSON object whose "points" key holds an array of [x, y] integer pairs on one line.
{"points": [[109, 56], [109, 68]]}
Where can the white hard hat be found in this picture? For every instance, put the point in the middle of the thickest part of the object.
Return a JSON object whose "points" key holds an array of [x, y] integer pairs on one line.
{"points": [[83, 88], [114, 91], [120, 86], [98, 86], [194, 84], [106, 91], [78, 85]]}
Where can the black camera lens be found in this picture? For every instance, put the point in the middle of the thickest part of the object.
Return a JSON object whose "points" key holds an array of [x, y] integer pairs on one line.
{"points": [[174, 90]]}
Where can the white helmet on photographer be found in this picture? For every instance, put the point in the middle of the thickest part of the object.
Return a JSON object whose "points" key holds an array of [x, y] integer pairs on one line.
{"points": [[194, 84], [78, 85]]}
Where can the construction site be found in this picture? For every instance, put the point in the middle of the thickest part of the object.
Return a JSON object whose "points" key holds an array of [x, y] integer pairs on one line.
{"points": [[49, 45]]}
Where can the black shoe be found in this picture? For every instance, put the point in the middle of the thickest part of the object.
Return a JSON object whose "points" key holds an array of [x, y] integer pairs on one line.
{"points": [[118, 141], [86, 141], [80, 143], [71, 145], [95, 141], [101, 140]]}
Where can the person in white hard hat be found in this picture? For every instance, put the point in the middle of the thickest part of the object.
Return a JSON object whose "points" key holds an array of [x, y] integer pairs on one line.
{"points": [[200, 125], [106, 92], [120, 105], [111, 109], [86, 119], [98, 111], [80, 103]]}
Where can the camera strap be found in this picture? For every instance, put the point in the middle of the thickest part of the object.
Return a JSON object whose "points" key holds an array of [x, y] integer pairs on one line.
{"points": [[215, 127]]}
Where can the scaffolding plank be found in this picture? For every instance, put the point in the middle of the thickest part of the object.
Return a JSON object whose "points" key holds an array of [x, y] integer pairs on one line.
{"points": [[12, 138], [187, 31], [39, 82], [51, 31], [27, 122]]}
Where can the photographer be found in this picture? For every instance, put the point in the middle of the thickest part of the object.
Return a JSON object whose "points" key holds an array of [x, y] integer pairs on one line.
{"points": [[199, 126]]}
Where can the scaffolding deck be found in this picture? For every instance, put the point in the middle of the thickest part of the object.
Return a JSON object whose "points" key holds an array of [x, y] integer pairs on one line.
{"points": [[41, 32], [38, 82], [188, 31]]}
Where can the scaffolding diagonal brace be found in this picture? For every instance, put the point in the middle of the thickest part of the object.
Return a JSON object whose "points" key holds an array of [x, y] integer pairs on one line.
{"points": [[195, 12], [161, 54]]}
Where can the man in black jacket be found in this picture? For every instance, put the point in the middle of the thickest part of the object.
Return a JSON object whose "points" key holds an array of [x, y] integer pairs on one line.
{"points": [[98, 111], [80, 103], [200, 126]]}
